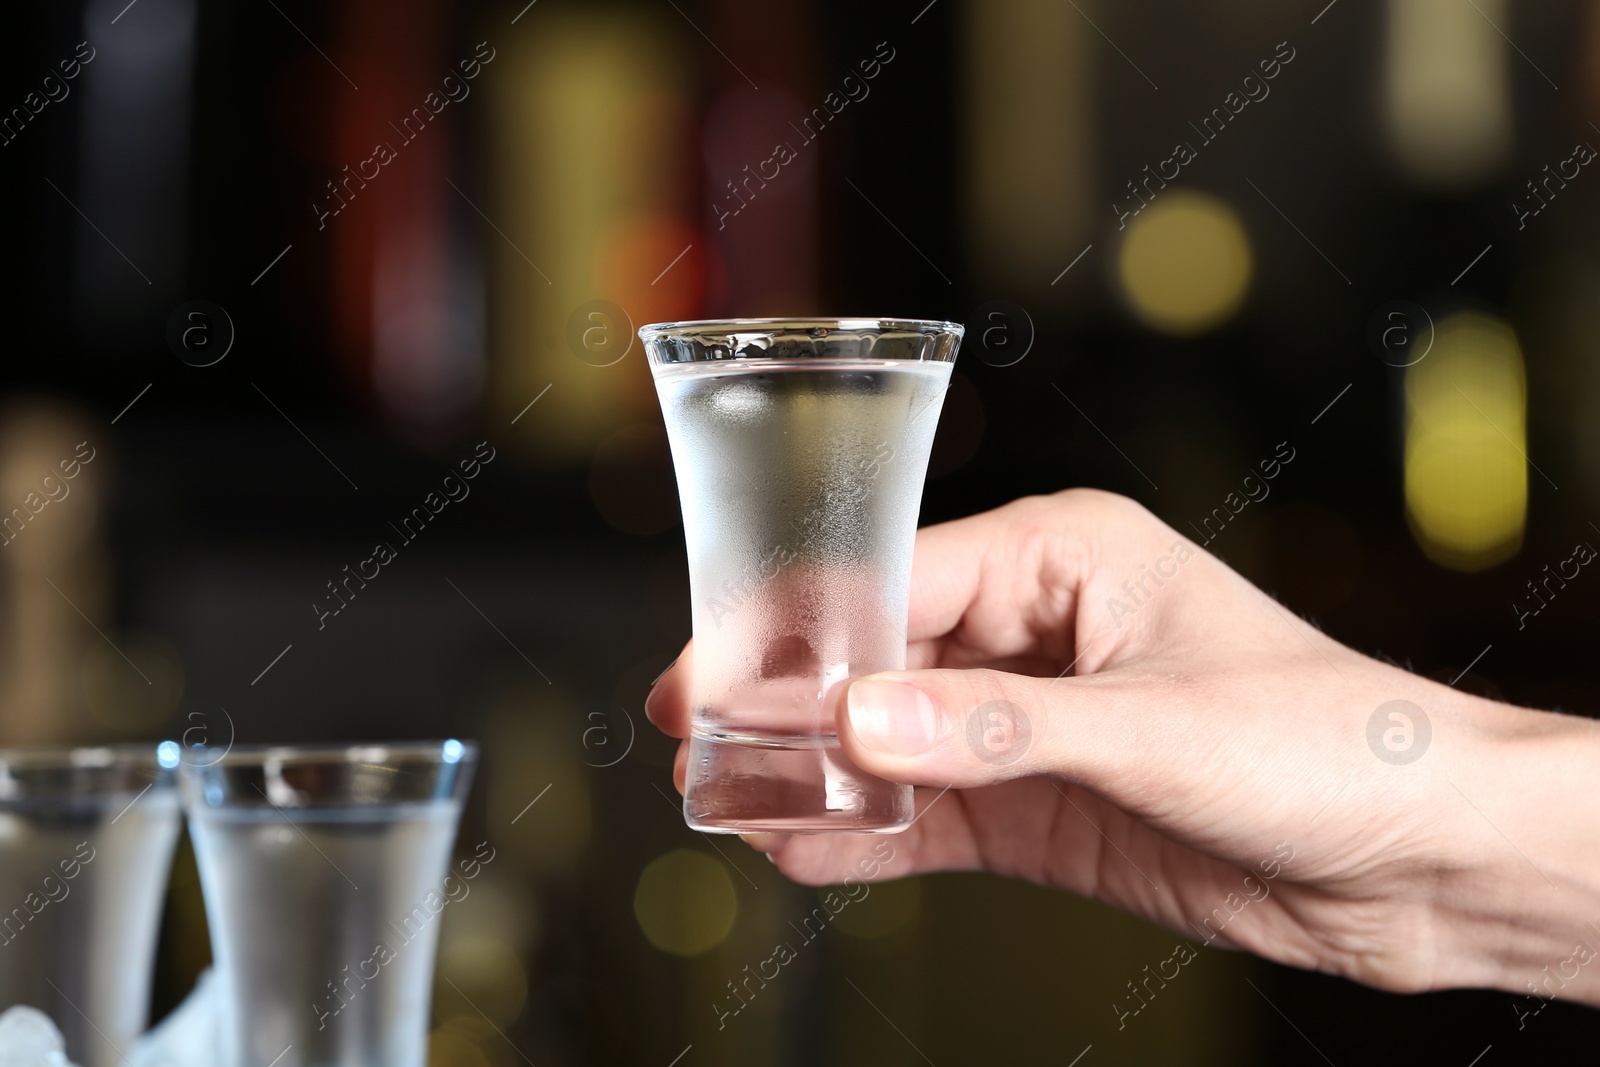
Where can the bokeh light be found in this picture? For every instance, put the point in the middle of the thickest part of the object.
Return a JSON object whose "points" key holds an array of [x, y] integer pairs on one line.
{"points": [[1029, 147], [685, 903], [449, 1047], [1185, 263], [652, 264], [1447, 98], [488, 975], [579, 105], [1466, 472]]}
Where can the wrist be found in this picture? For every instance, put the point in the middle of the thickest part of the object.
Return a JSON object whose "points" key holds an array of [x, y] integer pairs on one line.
{"points": [[1523, 905]]}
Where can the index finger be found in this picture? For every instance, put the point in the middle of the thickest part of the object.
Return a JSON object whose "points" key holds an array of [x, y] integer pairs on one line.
{"points": [[1001, 588]]}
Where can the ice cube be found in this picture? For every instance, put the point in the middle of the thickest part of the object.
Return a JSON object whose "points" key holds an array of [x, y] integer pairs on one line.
{"points": [[29, 1039]]}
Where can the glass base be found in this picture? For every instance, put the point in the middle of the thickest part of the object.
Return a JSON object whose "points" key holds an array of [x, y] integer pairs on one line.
{"points": [[743, 789]]}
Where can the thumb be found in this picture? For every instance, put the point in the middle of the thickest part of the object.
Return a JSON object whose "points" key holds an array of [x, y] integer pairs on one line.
{"points": [[979, 727]]}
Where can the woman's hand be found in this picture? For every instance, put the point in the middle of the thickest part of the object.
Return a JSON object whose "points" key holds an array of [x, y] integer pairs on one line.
{"points": [[1100, 706]]}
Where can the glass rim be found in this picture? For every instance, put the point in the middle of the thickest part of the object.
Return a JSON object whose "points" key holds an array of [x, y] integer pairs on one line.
{"points": [[863, 324], [65, 777], [333, 753], [83, 757]]}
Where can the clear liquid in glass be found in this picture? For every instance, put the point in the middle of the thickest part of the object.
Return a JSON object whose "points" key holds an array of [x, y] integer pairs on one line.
{"points": [[82, 881], [801, 482], [325, 928]]}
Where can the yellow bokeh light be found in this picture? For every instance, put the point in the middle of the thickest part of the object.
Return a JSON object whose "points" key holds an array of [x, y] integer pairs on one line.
{"points": [[1466, 475], [579, 104], [488, 976], [685, 903], [449, 1048], [1185, 264]]}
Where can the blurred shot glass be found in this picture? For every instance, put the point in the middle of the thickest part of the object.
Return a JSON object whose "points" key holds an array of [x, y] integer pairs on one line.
{"points": [[325, 871], [800, 448], [86, 839]]}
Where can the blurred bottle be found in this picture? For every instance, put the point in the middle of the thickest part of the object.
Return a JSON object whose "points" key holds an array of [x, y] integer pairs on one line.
{"points": [[54, 577]]}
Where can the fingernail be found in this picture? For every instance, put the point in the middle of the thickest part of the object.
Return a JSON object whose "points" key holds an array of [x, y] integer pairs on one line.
{"points": [[892, 717], [655, 687], [664, 671]]}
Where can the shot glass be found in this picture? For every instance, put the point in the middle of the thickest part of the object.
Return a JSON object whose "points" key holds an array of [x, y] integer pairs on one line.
{"points": [[86, 839], [800, 448], [325, 872]]}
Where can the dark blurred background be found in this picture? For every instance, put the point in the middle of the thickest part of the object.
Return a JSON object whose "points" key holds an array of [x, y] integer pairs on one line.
{"points": [[275, 290]]}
